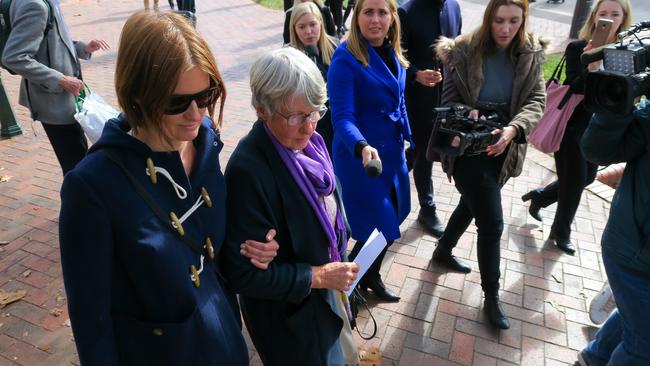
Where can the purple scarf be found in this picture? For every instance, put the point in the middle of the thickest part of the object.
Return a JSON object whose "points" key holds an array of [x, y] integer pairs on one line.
{"points": [[312, 170]]}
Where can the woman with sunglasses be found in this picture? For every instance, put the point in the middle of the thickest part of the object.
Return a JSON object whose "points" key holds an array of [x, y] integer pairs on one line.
{"points": [[143, 215], [366, 84], [294, 311]]}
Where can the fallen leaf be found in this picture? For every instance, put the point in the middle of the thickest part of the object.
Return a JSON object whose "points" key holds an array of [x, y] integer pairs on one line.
{"points": [[5, 178], [25, 334], [56, 312], [556, 306], [66, 323], [556, 279], [4, 242], [60, 298], [9, 297], [27, 273], [583, 294]]}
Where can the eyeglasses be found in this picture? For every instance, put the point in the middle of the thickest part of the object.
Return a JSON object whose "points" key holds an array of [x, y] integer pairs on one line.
{"points": [[180, 103], [297, 119]]}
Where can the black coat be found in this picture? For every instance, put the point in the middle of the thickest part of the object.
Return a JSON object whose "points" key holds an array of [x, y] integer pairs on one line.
{"points": [[289, 323], [422, 23], [328, 23], [576, 75]]}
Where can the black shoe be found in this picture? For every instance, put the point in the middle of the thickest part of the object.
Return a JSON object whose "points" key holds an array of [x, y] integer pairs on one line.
{"points": [[444, 257], [431, 223], [565, 245], [494, 312], [534, 208], [377, 286]]}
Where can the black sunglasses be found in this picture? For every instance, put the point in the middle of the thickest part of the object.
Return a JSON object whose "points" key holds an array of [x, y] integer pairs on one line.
{"points": [[179, 103]]}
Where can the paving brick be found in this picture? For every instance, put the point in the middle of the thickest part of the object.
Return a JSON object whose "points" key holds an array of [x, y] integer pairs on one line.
{"points": [[496, 350], [544, 334], [443, 327], [462, 348]]}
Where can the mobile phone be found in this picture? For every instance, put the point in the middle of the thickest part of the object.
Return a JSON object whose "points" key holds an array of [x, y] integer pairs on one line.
{"points": [[601, 33]]}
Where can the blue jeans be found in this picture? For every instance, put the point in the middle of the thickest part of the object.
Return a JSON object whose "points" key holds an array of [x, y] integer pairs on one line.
{"points": [[624, 339]]}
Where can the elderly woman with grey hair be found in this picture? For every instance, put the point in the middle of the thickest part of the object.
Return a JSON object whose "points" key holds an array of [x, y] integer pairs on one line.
{"points": [[280, 177]]}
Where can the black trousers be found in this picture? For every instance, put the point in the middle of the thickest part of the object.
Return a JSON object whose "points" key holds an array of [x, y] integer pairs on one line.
{"points": [[186, 5], [336, 7], [477, 180], [574, 173], [68, 142]]}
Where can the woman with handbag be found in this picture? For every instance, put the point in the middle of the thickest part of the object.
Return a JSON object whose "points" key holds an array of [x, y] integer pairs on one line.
{"points": [[498, 64], [281, 176], [574, 172], [308, 35], [366, 85]]}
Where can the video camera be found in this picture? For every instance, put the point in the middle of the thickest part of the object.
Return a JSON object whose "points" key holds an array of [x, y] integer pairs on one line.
{"points": [[458, 135], [626, 76]]}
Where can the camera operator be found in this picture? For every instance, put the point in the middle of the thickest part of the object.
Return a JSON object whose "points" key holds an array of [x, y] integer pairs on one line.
{"points": [[499, 63], [624, 339]]}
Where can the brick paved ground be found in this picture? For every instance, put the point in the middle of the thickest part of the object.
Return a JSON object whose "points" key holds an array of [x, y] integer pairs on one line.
{"points": [[438, 321]]}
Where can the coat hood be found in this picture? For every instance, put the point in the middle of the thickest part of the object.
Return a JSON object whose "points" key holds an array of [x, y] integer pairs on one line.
{"points": [[453, 51], [116, 135]]}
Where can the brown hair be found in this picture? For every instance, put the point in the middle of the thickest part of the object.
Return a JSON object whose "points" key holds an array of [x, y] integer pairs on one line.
{"points": [[155, 50], [587, 30], [483, 35], [357, 44], [326, 45]]}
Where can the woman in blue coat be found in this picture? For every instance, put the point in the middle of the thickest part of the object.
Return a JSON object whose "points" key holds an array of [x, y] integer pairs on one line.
{"points": [[366, 90], [141, 279]]}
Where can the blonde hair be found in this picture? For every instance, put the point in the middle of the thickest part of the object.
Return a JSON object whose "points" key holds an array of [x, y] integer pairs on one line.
{"points": [[155, 50], [280, 75], [357, 45], [587, 30], [483, 35], [326, 44]]}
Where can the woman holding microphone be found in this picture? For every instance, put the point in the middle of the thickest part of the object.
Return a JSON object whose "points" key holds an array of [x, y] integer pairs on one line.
{"points": [[366, 90]]}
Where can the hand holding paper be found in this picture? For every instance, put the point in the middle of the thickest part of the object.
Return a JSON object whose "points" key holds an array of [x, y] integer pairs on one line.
{"points": [[369, 252]]}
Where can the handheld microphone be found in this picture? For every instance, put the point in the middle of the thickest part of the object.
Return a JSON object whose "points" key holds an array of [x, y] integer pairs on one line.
{"points": [[312, 51], [373, 168]]}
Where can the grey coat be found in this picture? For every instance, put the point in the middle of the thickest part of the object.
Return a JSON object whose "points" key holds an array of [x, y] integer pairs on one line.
{"points": [[42, 60], [464, 78]]}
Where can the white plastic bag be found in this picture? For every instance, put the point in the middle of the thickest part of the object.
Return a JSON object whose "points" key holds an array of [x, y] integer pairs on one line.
{"points": [[92, 113]]}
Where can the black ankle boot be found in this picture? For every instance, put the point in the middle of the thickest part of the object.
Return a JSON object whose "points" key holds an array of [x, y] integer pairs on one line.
{"points": [[379, 289], [494, 312], [431, 223], [442, 255], [564, 245], [534, 208]]}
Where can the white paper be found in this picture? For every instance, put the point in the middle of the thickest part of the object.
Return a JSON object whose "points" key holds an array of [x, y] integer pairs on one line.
{"points": [[369, 252]]}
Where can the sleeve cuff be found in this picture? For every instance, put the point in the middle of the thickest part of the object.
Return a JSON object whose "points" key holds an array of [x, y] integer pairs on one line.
{"points": [[358, 147]]}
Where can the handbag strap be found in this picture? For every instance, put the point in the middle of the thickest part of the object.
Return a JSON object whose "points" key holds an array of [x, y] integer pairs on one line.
{"points": [[559, 68], [362, 301], [144, 194]]}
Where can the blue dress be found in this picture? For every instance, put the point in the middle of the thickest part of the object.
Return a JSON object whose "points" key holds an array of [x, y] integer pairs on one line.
{"points": [[127, 273], [367, 103]]}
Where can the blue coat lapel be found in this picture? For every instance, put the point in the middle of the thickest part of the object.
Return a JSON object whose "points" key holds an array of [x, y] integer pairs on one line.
{"points": [[378, 69]]}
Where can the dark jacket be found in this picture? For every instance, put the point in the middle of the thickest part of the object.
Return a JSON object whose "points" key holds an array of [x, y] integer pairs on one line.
{"points": [[422, 23], [368, 104], [127, 273], [289, 323], [464, 79], [613, 139], [576, 74], [328, 23]]}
